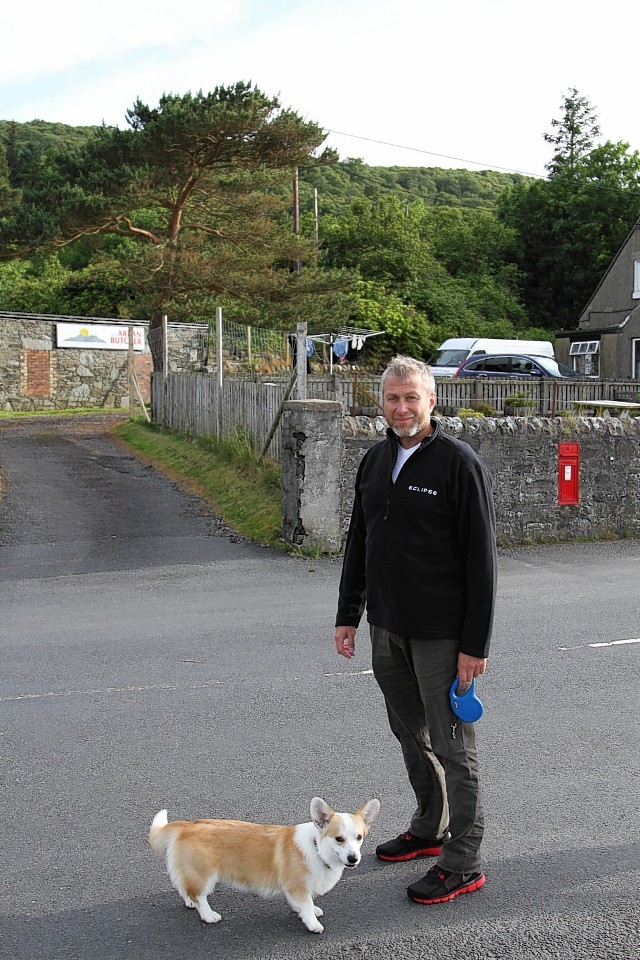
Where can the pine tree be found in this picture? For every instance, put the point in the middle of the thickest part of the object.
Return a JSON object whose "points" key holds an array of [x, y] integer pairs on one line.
{"points": [[575, 135]]}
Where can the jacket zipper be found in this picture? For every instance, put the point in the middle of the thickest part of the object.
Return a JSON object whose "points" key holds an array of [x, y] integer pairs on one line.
{"points": [[390, 483]]}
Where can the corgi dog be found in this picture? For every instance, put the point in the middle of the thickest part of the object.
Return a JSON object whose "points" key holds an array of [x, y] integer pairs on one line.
{"points": [[301, 861]]}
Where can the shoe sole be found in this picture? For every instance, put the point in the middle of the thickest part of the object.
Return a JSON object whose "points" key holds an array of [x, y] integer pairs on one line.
{"points": [[468, 888], [426, 852]]}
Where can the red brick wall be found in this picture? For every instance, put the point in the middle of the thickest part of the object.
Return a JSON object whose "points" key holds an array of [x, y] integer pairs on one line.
{"points": [[39, 374], [143, 366]]}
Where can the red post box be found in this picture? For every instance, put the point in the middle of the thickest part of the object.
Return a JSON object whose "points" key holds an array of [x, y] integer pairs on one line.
{"points": [[568, 473]]}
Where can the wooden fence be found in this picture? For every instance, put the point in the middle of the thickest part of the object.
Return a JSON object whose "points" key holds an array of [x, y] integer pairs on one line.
{"points": [[190, 402], [546, 397]]}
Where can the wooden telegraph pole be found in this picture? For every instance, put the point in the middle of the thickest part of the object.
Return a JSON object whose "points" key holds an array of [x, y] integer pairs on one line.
{"points": [[296, 215], [132, 373]]}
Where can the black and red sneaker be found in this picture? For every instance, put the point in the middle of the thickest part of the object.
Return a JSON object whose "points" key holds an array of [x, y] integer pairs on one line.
{"points": [[408, 847], [440, 886]]}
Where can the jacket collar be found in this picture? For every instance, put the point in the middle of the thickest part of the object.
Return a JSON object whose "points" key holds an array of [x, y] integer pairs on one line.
{"points": [[424, 443]]}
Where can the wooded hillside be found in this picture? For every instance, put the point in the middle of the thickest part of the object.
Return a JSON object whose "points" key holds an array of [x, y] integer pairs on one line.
{"points": [[337, 185], [352, 179]]}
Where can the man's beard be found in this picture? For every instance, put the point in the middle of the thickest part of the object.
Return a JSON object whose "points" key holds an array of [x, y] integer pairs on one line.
{"points": [[417, 427]]}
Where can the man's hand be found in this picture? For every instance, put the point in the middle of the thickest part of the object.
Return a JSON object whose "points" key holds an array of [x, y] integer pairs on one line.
{"points": [[468, 668], [345, 638]]}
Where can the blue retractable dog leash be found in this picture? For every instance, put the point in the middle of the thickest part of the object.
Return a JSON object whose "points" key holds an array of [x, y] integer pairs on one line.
{"points": [[468, 706]]}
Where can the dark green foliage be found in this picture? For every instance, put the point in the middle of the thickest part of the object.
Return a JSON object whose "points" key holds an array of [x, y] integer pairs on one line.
{"points": [[427, 273], [191, 187], [9, 196], [568, 228], [25, 142], [339, 185], [574, 134]]}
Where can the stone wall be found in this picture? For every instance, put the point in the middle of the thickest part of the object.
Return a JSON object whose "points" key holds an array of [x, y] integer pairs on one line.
{"points": [[36, 375], [522, 455]]}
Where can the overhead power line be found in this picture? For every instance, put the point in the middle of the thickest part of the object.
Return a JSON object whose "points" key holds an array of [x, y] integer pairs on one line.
{"points": [[385, 143], [431, 153]]}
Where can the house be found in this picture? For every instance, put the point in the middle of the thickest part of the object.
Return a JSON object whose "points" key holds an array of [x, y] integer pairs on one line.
{"points": [[606, 343]]}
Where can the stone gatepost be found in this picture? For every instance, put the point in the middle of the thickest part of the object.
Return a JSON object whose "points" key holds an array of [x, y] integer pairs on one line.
{"points": [[311, 457]]}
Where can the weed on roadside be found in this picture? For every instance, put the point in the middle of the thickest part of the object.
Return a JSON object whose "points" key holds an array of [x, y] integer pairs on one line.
{"points": [[241, 488]]}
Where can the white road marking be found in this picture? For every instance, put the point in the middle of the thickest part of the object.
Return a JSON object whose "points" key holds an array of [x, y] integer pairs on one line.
{"points": [[160, 686], [347, 673], [609, 643], [614, 643]]}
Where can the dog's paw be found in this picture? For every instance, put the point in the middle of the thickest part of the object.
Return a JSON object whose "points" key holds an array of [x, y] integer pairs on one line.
{"points": [[318, 911], [210, 917], [207, 914], [188, 902], [314, 927]]}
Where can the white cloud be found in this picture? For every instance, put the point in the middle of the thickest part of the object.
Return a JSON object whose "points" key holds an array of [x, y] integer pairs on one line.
{"points": [[70, 33]]}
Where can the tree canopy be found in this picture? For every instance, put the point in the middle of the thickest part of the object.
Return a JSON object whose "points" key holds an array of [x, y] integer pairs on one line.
{"points": [[190, 190], [568, 228], [574, 134]]}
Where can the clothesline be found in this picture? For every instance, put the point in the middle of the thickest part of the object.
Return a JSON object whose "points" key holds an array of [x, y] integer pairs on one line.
{"points": [[340, 343], [347, 333]]}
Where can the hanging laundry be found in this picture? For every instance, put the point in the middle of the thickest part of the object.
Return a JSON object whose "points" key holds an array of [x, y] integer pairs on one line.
{"points": [[341, 347]]}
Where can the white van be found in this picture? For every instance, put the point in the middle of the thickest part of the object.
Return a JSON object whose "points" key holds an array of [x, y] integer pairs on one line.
{"points": [[451, 353]]}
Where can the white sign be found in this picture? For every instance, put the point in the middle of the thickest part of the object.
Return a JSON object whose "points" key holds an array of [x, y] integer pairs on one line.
{"points": [[98, 336]]}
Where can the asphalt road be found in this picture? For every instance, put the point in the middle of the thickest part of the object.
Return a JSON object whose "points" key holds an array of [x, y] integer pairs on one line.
{"points": [[148, 658]]}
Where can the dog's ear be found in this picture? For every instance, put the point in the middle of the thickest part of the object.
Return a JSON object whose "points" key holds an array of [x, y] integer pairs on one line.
{"points": [[321, 812], [370, 812]]}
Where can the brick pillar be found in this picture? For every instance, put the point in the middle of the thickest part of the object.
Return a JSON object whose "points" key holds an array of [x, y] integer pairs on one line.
{"points": [[311, 458], [143, 366]]}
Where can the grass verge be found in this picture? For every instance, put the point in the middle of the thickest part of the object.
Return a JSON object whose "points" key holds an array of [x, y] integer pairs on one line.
{"points": [[240, 487], [68, 412]]}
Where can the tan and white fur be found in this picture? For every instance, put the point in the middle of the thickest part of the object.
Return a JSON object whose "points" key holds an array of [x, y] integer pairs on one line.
{"points": [[301, 862]]}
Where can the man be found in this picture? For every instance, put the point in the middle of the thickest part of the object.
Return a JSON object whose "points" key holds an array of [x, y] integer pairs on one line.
{"points": [[421, 553]]}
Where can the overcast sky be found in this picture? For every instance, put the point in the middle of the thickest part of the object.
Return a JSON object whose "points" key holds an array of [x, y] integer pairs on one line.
{"points": [[450, 83]]}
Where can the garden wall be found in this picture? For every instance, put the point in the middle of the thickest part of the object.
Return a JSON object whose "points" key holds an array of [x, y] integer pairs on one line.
{"points": [[522, 455]]}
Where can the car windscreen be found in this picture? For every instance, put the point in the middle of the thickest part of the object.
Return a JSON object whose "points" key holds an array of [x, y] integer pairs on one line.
{"points": [[554, 368], [448, 358]]}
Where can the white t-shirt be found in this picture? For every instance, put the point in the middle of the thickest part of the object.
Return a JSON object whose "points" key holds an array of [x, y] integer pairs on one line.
{"points": [[403, 455]]}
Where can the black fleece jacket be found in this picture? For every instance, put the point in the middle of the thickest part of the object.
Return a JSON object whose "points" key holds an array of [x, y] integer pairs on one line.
{"points": [[421, 553]]}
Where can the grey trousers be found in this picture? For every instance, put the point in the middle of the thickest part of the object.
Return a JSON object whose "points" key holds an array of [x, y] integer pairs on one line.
{"points": [[439, 752]]}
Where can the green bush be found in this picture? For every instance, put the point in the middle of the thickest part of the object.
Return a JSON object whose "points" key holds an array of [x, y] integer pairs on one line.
{"points": [[484, 408], [519, 399], [465, 412]]}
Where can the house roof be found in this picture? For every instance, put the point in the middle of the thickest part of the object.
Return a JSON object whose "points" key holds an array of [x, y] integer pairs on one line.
{"points": [[604, 276], [587, 333]]}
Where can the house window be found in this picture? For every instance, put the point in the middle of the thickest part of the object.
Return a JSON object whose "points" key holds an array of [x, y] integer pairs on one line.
{"points": [[585, 355], [636, 279], [635, 359]]}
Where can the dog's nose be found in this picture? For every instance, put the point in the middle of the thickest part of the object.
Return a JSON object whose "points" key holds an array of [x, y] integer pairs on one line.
{"points": [[352, 859]]}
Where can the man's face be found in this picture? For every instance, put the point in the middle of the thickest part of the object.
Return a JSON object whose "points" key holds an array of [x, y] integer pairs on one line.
{"points": [[407, 407]]}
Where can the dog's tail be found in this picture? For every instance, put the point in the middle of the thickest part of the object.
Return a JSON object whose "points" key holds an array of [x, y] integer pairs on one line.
{"points": [[158, 836]]}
